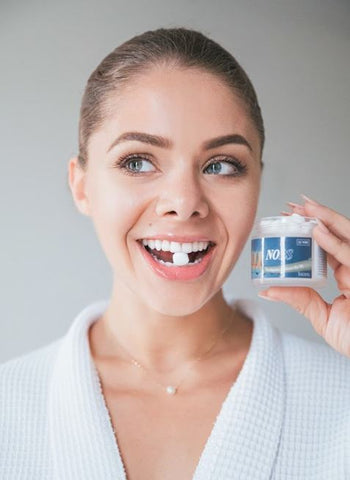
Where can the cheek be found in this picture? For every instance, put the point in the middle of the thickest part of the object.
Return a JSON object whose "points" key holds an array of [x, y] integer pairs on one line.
{"points": [[239, 213], [115, 209]]}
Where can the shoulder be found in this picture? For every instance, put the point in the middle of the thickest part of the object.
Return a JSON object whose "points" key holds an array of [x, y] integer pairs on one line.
{"points": [[317, 403], [24, 386], [306, 357], [309, 366], [29, 364], [317, 377], [24, 379]]}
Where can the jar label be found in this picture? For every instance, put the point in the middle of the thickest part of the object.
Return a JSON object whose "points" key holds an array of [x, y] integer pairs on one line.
{"points": [[281, 257]]}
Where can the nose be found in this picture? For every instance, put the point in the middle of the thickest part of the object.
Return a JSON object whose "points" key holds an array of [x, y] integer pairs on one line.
{"points": [[182, 196]]}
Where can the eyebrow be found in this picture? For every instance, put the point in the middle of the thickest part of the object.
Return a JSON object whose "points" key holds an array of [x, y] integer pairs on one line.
{"points": [[162, 142]]}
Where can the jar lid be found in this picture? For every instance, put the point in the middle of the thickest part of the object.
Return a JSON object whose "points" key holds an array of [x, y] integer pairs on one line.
{"points": [[294, 224]]}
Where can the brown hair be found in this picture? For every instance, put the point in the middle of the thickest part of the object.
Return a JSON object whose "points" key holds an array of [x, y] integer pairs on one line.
{"points": [[179, 47]]}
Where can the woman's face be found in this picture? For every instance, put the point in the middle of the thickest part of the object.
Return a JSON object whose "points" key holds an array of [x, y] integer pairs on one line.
{"points": [[182, 190]]}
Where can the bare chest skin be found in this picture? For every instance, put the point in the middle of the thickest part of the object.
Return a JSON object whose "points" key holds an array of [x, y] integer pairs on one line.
{"points": [[159, 436]]}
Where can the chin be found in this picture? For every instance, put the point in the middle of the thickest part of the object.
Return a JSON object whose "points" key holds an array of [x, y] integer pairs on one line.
{"points": [[177, 303]]}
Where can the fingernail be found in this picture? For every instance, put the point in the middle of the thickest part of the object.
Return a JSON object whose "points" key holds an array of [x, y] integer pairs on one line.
{"points": [[323, 227], [264, 294], [285, 213], [295, 205], [308, 199]]}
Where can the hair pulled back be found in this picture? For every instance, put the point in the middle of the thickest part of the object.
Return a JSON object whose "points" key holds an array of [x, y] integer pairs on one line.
{"points": [[180, 47]]}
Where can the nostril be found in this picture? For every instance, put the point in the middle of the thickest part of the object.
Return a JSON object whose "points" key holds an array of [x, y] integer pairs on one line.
{"points": [[172, 212]]}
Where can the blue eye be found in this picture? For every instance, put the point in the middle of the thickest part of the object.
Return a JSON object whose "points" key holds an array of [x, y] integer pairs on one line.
{"points": [[227, 167], [135, 164]]}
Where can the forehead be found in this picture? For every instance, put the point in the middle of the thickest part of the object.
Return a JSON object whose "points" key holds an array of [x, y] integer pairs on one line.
{"points": [[187, 105]]}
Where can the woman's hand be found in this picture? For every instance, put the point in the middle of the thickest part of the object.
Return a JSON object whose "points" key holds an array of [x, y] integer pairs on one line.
{"points": [[330, 320]]}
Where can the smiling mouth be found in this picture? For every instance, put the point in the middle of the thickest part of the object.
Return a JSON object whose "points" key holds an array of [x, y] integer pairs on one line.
{"points": [[167, 257]]}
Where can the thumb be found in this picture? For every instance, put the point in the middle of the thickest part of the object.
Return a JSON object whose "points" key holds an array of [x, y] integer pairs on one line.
{"points": [[303, 299]]}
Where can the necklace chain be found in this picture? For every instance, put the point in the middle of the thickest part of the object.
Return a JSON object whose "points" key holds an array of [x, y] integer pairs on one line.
{"points": [[172, 389]]}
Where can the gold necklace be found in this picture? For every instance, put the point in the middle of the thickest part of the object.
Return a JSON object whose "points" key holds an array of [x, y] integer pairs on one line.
{"points": [[172, 389]]}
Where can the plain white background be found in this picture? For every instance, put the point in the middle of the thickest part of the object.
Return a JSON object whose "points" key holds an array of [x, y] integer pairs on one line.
{"points": [[297, 56]]}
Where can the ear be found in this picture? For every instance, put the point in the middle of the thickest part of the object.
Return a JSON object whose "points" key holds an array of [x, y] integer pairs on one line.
{"points": [[77, 181]]}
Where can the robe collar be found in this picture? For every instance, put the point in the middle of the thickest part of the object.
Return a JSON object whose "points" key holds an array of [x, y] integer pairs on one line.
{"points": [[243, 442]]}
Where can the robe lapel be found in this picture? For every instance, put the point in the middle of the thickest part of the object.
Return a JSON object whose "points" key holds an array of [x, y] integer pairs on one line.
{"points": [[243, 443], [245, 438], [82, 442]]}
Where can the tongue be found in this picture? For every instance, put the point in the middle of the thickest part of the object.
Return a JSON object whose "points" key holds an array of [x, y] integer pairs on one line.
{"points": [[165, 256]]}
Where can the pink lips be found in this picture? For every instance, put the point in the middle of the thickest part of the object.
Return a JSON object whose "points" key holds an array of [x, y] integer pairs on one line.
{"points": [[186, 272]]}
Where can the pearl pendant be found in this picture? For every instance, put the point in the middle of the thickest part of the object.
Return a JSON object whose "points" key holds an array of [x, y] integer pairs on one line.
{"points": [[171, 390]]}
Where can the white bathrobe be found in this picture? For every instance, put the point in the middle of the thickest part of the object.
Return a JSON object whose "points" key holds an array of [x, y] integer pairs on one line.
{"points": [[287, 416]]}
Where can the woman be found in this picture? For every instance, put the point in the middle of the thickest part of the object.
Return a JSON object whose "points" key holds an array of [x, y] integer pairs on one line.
{"points": [[168, 379]]}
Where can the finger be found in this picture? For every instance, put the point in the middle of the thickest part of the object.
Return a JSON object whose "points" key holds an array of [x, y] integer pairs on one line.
{"points": [[338, 326], [299, 209], [334, 264], [342, 277], [336, 222], [305, 300], [339, 249]]}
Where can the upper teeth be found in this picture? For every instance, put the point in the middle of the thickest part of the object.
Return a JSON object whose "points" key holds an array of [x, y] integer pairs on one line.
{"points": [[174, 247]]}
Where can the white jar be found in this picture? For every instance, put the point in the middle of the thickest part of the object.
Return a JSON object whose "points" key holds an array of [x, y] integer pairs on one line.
{"points": [[283, 252]]}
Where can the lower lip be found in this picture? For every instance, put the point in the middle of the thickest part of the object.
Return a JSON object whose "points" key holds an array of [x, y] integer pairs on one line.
{"points": [[186, 272]]}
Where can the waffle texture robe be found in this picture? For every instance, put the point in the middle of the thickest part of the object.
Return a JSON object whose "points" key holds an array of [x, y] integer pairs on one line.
{"points": [[287, 416]]}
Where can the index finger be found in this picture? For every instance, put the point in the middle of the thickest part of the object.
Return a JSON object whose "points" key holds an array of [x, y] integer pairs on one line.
{"points": [[336, 222]]}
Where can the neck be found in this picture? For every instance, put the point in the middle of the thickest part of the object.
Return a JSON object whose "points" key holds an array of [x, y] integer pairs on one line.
{"points": [[159, 342]]}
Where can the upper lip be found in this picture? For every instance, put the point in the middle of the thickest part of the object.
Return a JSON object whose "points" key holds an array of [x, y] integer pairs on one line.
{"points": [[178, 238]]}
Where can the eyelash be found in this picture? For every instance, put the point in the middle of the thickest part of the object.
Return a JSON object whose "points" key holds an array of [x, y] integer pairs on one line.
{"points": [[124, 159]]}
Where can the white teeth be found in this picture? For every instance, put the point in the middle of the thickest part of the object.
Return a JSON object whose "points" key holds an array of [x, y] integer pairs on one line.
{"points": [[165, 246], [168, 264], [175, 247], [187, 247], [158, 244]]}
